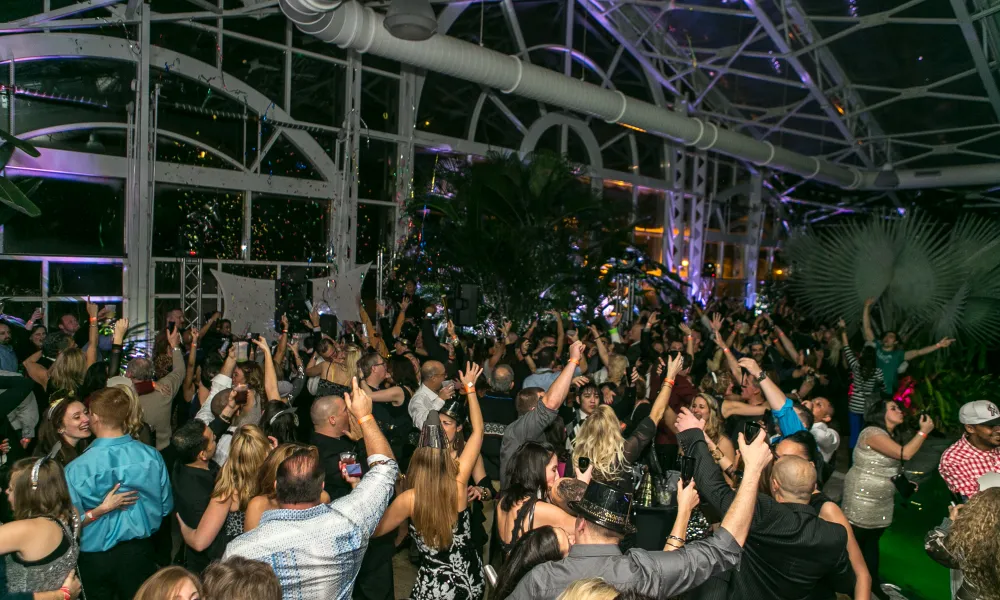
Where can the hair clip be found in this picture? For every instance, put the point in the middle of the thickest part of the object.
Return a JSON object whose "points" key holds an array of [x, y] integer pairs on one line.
{"points": [[289, 410]]}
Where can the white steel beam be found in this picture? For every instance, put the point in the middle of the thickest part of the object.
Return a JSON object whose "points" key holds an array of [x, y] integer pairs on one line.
{"points": [[978, 55], [67, 163]]}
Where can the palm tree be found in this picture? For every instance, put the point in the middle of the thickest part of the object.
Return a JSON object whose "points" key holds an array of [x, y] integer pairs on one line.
{"points": [[931, 279], [530, 233], [10, 194]]}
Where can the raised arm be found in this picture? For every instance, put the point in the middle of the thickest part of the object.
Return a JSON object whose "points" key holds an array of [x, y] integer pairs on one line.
{"points": [[944, 343], [866, 321], [282, 349], [663, 397], [560, 333], [602, 352], [93, 334], [731, 362], [117, 341], [270, 378], [883, 444], [559, 389], [35, 371], [756, 456], [397, 327], [470, 454], [360, 405], [793, 353], [189, 385], [209, 324], [775, 397]]}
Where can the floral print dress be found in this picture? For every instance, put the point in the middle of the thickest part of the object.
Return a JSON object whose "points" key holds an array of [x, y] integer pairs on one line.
{"points": [[452, 574]]}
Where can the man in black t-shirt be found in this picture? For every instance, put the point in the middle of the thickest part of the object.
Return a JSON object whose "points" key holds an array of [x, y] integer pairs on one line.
{"points": [[331, 422], [193, 479]]}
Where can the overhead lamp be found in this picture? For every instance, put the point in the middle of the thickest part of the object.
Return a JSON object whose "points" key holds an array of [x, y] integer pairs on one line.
{"points": [[411, 20]]}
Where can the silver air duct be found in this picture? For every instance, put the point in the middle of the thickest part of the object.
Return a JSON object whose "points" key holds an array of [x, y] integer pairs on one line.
{"points": [[361, 28], [411, 20]]}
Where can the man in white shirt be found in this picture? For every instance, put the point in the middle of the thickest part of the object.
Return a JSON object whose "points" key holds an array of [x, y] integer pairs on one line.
{"points": [[431, 394], [827, 439]]}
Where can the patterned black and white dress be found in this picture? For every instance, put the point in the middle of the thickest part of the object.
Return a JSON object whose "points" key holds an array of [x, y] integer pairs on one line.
{"points": [[452, 574]]}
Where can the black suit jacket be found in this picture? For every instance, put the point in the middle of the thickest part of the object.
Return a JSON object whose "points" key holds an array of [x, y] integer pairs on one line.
{"points": [[790, 550]]}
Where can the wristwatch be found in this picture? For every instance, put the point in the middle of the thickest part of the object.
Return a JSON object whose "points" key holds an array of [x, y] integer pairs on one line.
{"points": [[762, 376]]}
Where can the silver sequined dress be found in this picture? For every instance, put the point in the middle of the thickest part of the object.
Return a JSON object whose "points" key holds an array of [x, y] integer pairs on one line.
{"points": [[48, 573], [868, 491]]}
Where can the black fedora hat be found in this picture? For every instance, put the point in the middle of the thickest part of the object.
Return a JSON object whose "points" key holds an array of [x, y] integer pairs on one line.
{"points": [[606, 506]]}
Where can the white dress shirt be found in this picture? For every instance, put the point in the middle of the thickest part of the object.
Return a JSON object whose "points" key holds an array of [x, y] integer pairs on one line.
{"points": [[827, 439], [423, 402]]}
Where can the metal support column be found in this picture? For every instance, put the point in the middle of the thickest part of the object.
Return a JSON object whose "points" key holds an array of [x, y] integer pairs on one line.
{"points": [[755, 228], [344, 208], [673, 235], [697, 222], [567, 67], [404, 157], [137, 270], [191, 278]]}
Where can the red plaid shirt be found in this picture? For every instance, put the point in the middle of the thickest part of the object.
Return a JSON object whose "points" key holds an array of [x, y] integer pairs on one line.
{"points": [[962, 464]]}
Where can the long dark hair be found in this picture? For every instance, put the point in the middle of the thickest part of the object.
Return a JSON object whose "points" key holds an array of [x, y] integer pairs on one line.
{"points": [[526, 473], [402, 373], [283, 428], [49, 436], [875, 417], [532, 549], [868, 362]]}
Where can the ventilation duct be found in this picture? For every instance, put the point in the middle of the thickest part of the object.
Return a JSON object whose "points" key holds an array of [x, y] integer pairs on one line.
{"points": [[361, 28], [411, 20]]}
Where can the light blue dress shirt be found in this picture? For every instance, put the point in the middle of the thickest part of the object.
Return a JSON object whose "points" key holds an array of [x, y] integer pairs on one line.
{"points": [[788, 420], [316, 552], [137, 467]]}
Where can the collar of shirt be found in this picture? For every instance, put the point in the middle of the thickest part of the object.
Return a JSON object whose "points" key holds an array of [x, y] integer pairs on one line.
{"points": [[589, 550], [966, 446], [108, 442]]}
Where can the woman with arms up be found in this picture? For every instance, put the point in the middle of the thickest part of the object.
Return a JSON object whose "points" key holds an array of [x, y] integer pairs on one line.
{"points": [[438, 507]]}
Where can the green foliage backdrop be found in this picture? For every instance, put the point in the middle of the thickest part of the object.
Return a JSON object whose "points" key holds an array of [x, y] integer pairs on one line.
{"points": [[531, 233], [931, 279]]}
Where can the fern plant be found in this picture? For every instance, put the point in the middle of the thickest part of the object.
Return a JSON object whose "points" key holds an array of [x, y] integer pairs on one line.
{"points": [[931, 279]]}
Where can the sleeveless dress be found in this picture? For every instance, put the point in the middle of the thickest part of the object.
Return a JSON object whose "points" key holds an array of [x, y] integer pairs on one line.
{"points": [[452, 574], [868, 489], [47, 573], [234, 523]]}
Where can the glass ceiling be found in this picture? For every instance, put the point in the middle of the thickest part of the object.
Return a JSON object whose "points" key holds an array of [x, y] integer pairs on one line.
{"points": [[911, 84]]}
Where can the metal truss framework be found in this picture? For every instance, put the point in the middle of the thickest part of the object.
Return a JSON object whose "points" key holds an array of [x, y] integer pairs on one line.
{"points": [[824, 108]]}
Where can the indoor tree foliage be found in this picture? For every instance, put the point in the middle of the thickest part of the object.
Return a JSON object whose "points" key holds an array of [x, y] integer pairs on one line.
{"points": [[931, 279], [10, 194], [529, 232]]}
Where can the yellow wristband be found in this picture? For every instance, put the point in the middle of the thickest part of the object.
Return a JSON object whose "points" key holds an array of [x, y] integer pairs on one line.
{"points": [[365, 419]]}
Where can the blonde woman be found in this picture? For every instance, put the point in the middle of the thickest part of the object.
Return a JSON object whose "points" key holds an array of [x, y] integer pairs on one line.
{"points": [[237, 484], [706, 408], [268, 500], [600, 438], [70, 366], [593, 588]]}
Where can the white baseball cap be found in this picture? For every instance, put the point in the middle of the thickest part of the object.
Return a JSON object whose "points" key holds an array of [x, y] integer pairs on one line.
{"points": [[980, 412], [989, 480]]}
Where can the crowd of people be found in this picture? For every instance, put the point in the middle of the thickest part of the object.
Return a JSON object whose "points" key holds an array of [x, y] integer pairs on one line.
{"points": [[222, 466]]}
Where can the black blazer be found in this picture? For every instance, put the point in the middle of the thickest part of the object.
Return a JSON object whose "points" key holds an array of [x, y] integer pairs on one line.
{"points": [[790, 550]]}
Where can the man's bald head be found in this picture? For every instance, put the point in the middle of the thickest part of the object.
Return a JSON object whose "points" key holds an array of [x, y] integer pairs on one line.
{"points": [[432, 374], [329, 416], [502, 379], [793, 479]]}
